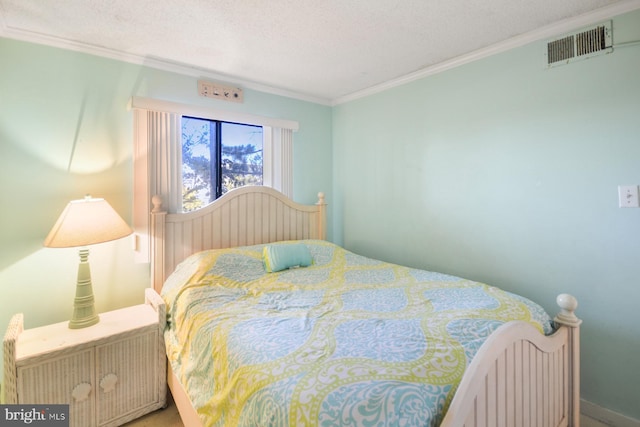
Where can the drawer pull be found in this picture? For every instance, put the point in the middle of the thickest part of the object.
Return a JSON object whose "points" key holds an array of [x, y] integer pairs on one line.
{"points": [[81, 392], [108, 382]]}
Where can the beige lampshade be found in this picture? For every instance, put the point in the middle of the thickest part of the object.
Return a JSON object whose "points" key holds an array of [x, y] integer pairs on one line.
{"points": [[86, 222]]}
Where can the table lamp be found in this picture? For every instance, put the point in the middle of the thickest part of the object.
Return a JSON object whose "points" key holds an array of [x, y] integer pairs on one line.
{"points": [[86, 222]]}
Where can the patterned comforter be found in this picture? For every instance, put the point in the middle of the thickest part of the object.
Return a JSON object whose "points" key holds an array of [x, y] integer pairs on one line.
{"points": [[348, 341]]}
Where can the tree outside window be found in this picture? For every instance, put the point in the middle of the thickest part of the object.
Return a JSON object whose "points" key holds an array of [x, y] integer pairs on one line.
{"points": [[217, 157]]}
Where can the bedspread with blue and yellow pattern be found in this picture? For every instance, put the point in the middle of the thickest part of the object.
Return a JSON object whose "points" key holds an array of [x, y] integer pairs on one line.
{"points": [[347, 341]]}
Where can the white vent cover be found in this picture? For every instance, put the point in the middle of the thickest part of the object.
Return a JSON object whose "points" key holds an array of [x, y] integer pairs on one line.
{"points": [[583, 44]]}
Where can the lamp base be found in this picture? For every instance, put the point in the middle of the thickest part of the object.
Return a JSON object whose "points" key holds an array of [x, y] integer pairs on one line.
{"points": [[84, 312], [83, 322]]}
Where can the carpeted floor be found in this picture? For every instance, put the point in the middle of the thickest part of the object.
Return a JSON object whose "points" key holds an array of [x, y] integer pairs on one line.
{"points": [[167, 417]]}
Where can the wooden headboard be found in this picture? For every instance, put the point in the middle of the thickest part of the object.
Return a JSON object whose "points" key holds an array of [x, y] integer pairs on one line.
{"points": [[248, 215]]}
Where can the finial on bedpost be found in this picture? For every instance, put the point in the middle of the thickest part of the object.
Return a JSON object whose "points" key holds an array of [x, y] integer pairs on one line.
{"points": [[320, 199], [156, 201], [568, 305]]}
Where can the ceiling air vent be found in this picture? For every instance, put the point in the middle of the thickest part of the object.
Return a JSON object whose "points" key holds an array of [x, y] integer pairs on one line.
{"points": [[580, 45]]}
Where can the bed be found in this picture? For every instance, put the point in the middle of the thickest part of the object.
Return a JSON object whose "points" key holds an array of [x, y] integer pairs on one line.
{"points": [[341, 339]]}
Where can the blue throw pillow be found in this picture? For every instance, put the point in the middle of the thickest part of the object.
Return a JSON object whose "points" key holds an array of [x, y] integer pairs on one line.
{"points": [[286, 255]]}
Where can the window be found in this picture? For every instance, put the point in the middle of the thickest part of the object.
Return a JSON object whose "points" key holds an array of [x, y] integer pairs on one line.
{"points": [[158, 166], [217, 157]]}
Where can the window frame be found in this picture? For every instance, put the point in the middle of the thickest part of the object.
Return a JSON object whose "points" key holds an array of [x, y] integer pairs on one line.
{"points": [[157, 156], [216, 143]]}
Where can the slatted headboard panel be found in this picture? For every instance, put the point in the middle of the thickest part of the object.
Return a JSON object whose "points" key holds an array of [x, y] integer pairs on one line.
{"points": [[244, 216]]}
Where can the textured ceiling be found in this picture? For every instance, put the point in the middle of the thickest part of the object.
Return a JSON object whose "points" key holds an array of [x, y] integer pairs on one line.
{"points": [[324, 49]]}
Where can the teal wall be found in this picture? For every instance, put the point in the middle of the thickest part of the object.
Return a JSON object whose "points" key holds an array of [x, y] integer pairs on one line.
{"points": [[53, 99], [505, 172]]}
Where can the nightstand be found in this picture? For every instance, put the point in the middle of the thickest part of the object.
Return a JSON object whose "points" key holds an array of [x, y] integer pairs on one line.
{"points": [[109, 373]]}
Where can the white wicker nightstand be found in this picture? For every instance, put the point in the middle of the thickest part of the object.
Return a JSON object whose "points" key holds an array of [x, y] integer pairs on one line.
{"points": [[109, 373]]}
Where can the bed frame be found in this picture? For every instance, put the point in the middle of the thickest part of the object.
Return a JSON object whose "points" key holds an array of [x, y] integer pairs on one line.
{"points": [[519, 377]]}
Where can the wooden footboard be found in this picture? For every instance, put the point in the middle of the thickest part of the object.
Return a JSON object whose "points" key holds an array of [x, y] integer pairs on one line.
{"points": [[520, 377]]}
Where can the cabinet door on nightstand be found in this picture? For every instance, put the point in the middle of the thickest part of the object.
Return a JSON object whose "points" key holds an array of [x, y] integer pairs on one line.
{"points": [[64, 379], [127, 377]]}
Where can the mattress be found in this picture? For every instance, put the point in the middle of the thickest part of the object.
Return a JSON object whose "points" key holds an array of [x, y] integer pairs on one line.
{"points": [[348, 340]]}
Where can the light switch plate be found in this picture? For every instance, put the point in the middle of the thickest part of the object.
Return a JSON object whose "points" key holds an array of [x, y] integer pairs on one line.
{"points": [[628, 196]]}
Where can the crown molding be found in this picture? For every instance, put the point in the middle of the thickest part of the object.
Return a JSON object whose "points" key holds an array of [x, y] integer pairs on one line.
{"points": [[546, 32], [160, 64]]}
